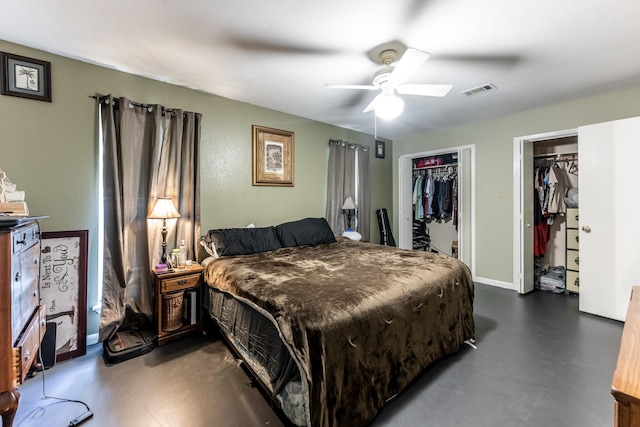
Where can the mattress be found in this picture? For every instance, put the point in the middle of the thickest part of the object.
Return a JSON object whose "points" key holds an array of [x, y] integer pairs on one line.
{"points": [[353, 323]]}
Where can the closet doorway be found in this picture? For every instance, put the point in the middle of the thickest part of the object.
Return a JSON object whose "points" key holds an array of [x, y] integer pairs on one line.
{"points": [[523, 199], [465, 169], [609, 249]]}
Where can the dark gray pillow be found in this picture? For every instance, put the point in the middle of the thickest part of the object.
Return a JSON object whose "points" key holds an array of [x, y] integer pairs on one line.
{"points": [[243, 241], [308, 231]]}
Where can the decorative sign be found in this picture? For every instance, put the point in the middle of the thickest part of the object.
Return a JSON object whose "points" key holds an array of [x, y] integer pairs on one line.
{"points": [[63, 288]]}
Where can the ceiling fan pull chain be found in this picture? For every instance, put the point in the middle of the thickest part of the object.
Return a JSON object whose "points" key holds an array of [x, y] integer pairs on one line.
{"points": [[375, 127]]}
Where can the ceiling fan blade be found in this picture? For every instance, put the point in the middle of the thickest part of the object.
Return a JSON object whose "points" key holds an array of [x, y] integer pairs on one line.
{"points": [[407, 65], [365, 87], [424, 89], [372, 104]]}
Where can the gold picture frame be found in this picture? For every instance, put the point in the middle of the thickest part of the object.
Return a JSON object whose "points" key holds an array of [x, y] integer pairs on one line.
{"points": [[272, 157]]}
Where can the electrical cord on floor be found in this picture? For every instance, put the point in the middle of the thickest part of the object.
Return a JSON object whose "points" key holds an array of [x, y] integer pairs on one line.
{"points": [[80, 418]]}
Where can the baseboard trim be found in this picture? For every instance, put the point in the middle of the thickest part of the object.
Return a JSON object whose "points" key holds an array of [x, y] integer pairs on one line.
{"points": [[92, 339], [496, 283]]}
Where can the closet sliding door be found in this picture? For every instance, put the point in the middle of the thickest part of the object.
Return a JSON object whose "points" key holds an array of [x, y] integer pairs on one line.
{"points": [[609, 206]]}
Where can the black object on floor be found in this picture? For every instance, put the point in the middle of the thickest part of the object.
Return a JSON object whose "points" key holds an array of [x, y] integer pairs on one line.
{"points": [[386, 237], [48, 347], [125, 345]]}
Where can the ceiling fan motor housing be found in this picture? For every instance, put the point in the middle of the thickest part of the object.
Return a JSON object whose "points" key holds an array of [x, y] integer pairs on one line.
{"points": [[381, 77]]}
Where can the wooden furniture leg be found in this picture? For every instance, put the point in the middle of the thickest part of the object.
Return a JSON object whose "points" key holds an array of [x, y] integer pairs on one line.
{"points": [[9, 406]]}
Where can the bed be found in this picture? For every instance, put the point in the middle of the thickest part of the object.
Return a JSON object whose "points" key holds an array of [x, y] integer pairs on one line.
{"points": [[333, 328]]}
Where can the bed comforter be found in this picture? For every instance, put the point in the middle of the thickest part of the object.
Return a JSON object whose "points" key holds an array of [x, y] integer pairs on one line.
{"points": [[361, 320]]}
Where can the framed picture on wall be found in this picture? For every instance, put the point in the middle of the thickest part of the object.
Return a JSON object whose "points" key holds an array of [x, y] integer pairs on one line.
{"points": [[25, 77], [380, 149], [63, 288], [272, 157]]}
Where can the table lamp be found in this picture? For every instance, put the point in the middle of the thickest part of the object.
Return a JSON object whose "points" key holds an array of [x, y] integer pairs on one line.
{"points": [[349, 208], [164, 209]]}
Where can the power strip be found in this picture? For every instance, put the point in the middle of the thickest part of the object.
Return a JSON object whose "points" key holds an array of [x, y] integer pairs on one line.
{"points": [[82, 418]]}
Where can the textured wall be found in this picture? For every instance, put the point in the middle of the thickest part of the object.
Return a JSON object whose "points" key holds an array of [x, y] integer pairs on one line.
{"points": [[494, 164], [50, 151]]}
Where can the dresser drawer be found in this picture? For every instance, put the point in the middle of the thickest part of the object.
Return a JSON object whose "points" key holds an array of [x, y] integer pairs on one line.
{"points": [[25, 350], [572, 218], [573, 281], [182, 282], [25, 237], [573, 260], [25, 294], [572, 239]]}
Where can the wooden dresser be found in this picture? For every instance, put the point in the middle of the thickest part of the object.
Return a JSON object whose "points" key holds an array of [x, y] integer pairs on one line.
{"points": [[22, 317], [626, 378]]}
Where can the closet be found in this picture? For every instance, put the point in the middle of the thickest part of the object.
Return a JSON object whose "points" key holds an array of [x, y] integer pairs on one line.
{"points": [[434, 190], [556, 211]]}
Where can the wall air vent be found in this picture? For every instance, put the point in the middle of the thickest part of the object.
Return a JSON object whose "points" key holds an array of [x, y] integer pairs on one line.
{"points": [[479, 89]]}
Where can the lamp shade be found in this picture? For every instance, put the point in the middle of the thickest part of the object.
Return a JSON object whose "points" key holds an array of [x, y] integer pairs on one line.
{"points": [[389, 106], [164, 209], [348, 204]]}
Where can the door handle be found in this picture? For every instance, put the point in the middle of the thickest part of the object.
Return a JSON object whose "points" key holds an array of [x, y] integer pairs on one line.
{"points": [[586, 229]]}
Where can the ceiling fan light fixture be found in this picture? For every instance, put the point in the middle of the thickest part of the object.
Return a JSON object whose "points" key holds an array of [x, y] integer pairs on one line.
{"points": [[389, 107]]}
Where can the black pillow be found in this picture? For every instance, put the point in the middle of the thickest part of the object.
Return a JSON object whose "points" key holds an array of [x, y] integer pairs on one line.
{"points": [[308, 231], [244, 241]]}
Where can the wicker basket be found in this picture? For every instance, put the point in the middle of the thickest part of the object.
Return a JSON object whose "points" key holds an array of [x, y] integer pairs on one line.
{"points": [[172, 311]]}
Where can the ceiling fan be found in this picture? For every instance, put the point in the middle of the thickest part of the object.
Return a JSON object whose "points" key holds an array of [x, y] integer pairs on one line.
{"points": [[389, 79]]}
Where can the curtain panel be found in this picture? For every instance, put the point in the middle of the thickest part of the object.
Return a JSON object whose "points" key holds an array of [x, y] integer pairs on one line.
{"points": [[348, 176], [148, 152]]}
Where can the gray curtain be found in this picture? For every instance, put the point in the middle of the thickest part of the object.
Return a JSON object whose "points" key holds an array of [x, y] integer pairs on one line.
{"points": [[348, 169], [148, 152]]}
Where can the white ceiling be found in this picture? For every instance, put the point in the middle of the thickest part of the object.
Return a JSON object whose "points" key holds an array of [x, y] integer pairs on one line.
{"points": [[278, 54]]}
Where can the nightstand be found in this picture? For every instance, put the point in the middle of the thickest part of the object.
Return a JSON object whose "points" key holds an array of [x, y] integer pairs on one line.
{"points": [[177, 301]]}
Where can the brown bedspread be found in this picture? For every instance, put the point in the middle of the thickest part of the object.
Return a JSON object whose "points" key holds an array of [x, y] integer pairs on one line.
{"points": [[362, 319]]}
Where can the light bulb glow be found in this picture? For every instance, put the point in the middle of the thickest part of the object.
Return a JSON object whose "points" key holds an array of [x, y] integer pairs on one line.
{"points": [[389, 107]]}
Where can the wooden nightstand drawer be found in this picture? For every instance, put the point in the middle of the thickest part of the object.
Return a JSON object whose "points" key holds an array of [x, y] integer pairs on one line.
{"points": [[178, 283], [25, 351]]}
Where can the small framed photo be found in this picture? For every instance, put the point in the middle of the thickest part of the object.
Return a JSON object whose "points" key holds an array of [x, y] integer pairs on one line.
{"points": [[272, 157], [380, 149], [25, 77]]}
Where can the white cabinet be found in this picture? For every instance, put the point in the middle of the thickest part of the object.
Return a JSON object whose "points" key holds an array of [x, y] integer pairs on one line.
{"points": [[573, 260]]}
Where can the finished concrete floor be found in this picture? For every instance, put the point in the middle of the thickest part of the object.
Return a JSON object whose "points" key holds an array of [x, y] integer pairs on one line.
{"points": [[539, 363]]}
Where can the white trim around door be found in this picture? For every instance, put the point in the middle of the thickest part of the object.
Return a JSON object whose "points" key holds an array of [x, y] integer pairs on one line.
{"points": [[466, 198], [519, 225]]}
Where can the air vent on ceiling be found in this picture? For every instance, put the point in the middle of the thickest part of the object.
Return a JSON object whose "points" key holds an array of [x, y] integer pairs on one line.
{"points": [[479, 89]]}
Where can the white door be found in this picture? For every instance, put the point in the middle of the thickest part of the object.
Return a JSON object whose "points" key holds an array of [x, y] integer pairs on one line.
{"points": [[609, 177]]}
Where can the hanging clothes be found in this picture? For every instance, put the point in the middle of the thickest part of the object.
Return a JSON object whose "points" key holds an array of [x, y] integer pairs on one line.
{"points": [[557, 190]]}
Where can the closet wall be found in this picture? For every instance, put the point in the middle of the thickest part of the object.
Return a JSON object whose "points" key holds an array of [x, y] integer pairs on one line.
{"points": [[562, 155], [435, 202]]}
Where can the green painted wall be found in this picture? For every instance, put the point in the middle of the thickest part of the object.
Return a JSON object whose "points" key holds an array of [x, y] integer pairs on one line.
{"points": [[494, 164], [50, 151]]}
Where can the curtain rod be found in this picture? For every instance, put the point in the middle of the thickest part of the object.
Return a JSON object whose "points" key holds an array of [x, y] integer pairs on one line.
{"points": [[137, 104], [339, 141]]}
